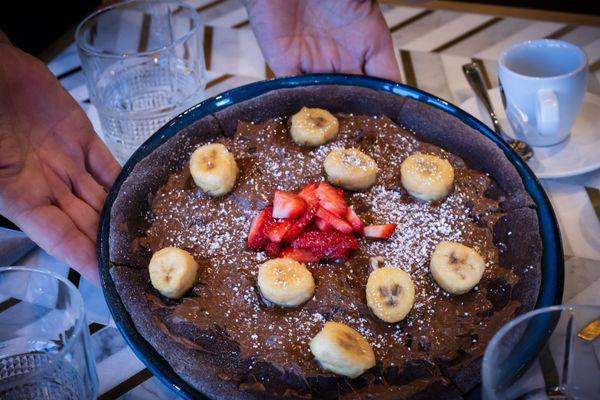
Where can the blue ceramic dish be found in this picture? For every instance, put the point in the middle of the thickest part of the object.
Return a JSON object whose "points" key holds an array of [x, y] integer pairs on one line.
{"points": [[552, 256]]}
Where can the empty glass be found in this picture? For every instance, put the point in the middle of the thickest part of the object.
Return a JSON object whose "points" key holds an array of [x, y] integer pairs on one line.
{"points": [[545, 354], [144, 64], [44, 339]]}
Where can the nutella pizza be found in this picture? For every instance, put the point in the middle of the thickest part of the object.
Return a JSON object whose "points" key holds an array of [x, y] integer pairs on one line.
{"points": [[325, 242]]}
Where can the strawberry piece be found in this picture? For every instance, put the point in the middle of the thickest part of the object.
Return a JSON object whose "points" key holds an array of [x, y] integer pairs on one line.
{"points": [[308, 193], [300, 224], [277, 230], [273, 249], [257, 239], [300, 255], [323, 225], [337, 223], [355, 221], [379, 231], [332, 199], [326, 244], [288, 205]]}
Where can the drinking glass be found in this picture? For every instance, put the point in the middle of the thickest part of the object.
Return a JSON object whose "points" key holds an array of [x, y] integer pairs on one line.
{"points": [[45, 349], [545, 354], [144, 64]]}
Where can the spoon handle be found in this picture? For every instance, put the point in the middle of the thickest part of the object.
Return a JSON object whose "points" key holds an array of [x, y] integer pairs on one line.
{"points": [[475, 79]]}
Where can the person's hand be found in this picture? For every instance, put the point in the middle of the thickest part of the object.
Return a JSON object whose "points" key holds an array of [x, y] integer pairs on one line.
{"points": [[300, 36], [54, 169]]}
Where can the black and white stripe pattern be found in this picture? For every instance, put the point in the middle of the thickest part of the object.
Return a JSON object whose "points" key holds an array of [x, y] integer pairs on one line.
{"points": [[431, 46]]}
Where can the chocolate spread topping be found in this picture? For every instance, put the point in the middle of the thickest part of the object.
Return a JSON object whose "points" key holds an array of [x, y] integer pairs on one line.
{"points": [[226, 297]]}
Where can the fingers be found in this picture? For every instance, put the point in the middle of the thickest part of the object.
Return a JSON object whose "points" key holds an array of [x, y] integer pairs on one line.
{"points": [[336, 63], [79, 253], [68, 178], [83, 216], [283, 72], [87, 189], [380, 59], [56, 233], [284, 69], [101, 164], [383, 64], [351, 69]]}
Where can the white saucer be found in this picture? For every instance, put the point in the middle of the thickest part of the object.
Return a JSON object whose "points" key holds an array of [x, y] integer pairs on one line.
{"points": [[578, 154]]}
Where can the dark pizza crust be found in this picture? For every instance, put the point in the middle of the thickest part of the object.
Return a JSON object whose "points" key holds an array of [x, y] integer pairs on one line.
{"points": [[199, 368], [518, 233], [127, 222], [522, 253], [440, 390], [212, 366], [210, 373], [335, 99]]}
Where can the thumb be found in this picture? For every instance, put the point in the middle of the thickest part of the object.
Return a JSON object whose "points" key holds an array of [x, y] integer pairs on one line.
{"points": [[383, 64]]}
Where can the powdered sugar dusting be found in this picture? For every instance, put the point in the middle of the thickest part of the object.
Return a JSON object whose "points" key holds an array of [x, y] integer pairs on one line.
{"points": [[215, 231], [421, 225], [201, 225]]}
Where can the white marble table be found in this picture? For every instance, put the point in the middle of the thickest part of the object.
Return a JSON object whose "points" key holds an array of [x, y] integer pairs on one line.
{"points": [[431, 46]]}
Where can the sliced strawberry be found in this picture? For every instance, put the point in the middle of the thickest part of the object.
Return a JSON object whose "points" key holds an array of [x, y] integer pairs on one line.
{"points": [[257, 239], [288, 205], [300, 255], [277, 230], [331, 199], [272, 249], [355, 221], [309, 194], [300, 224], [323, 225], [337, 223], [326, 244], [379, 231]]}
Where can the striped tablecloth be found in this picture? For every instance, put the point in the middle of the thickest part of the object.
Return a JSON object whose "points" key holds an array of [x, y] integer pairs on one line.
{"points": [[431, 46]]}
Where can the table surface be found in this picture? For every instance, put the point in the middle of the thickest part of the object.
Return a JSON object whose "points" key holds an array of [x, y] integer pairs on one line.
{"points": [[431, 46]]}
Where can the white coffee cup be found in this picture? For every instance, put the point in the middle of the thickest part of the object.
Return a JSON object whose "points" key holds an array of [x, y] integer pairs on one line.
{"points": [[543, 82]]}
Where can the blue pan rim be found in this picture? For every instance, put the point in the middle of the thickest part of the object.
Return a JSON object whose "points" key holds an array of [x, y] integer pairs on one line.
{"points": [[551, 288]]}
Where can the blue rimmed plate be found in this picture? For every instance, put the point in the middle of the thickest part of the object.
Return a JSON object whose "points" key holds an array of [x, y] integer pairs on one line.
{"points": [[552, 257]]}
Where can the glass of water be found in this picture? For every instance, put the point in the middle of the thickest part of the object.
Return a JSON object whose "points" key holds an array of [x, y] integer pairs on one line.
{"points": [[45, 349], [550, 353], [144, 64]]}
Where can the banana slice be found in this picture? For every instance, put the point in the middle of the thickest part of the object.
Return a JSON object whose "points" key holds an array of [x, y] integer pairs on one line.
{"points": [[390, 293], [350, 168], [427, 177], [313, 126], [213, 169], [285, 282], [173, 271], [456, 268], [342, 350]]}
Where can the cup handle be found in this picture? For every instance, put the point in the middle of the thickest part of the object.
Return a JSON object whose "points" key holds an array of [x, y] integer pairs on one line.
{"points": [[547, 112]]}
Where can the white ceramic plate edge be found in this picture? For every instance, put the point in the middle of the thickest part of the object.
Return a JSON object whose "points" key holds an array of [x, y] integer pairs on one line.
{"points": [[472, 106]]}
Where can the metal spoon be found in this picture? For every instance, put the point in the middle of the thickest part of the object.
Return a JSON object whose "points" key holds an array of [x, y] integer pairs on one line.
{"points": [[473, 75]]}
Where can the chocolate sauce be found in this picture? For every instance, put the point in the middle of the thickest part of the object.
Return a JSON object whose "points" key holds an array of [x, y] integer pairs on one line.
{"points": [[214, 230]]}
